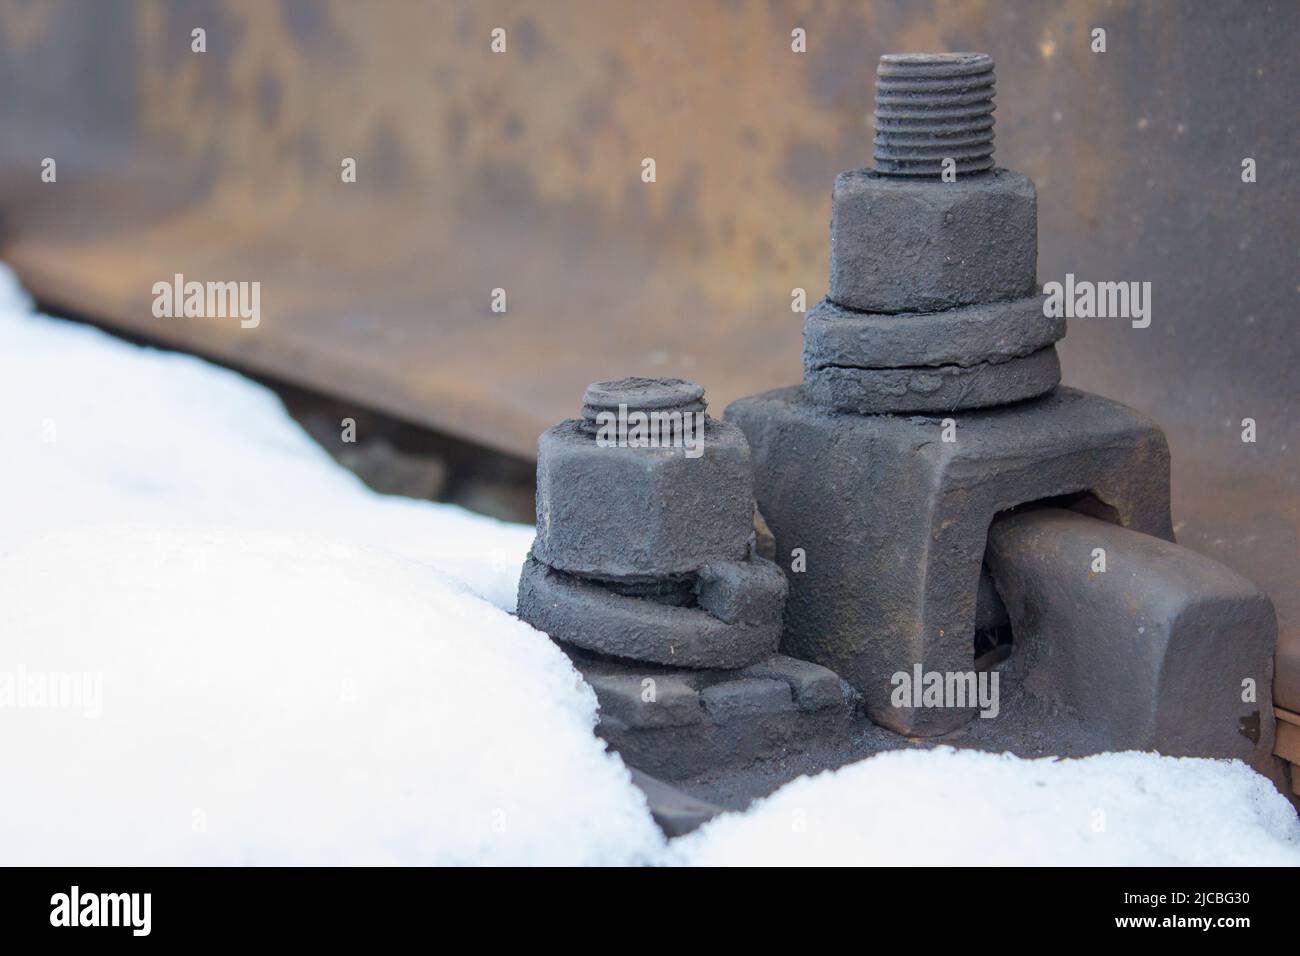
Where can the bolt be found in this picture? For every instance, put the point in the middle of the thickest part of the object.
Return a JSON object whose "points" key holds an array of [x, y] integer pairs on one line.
{"points": [[931, 107], [640, 395], [646, 552]]}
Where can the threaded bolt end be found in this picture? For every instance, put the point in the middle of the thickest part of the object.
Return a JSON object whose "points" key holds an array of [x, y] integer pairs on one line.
{"points": [[931, 107], [640, 395]]}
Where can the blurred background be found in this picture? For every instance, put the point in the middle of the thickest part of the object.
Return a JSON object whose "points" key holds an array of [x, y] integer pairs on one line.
{"points": [[522, 171]]}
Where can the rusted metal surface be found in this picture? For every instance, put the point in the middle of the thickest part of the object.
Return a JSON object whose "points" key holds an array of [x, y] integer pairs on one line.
{"points": [[522, 171]]}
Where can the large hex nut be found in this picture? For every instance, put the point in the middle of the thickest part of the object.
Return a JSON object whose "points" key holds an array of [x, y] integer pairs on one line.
{"points": [[641, 513], [916, 245]]}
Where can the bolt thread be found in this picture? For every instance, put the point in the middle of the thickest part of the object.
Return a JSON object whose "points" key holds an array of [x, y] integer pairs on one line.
{"points": [[640, 395], [931, 107], [675, 591]]}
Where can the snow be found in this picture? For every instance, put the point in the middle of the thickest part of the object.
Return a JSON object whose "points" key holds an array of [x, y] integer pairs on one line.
{"points": [[265, 662], [947, 808], [292, 669]]}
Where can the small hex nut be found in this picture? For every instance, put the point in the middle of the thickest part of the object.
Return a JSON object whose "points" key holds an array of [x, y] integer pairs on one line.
{"points": [[642, 513], [918, 245]]}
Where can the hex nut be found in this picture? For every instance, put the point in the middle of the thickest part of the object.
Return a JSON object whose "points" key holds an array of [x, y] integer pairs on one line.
{"points": [[641, 513], [916, 245]]}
